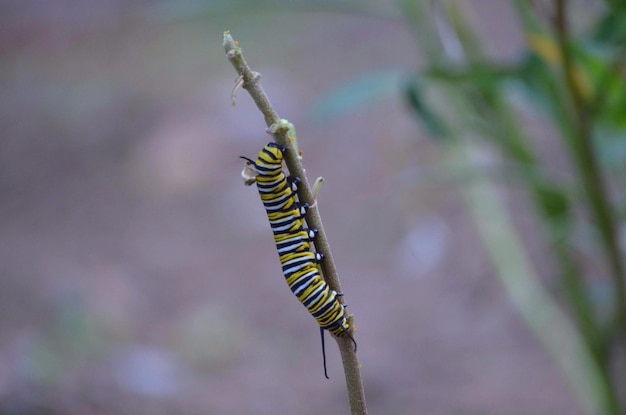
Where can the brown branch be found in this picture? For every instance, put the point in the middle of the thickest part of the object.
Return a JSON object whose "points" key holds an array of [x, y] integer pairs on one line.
{"points": [[250, 81]]}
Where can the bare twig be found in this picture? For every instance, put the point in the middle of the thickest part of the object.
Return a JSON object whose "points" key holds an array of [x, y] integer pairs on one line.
{"points": [[280, 132]]}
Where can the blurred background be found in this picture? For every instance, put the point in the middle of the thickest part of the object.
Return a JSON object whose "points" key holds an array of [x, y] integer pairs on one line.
{"points": [[462, 147]]}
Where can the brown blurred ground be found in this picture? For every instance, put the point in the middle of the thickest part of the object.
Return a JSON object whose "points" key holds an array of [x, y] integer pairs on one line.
{"points": [[138, 273]]}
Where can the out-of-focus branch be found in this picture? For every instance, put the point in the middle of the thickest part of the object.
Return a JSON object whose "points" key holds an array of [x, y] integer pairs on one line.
{"points": [[585, 155]]}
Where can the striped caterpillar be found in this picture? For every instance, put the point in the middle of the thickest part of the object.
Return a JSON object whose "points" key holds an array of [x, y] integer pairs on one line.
{"points": [[293, 242]]}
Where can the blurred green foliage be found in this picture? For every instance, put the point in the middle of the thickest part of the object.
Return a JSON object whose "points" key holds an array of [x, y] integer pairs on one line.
{"points": [[571, 78], [574, 80]]}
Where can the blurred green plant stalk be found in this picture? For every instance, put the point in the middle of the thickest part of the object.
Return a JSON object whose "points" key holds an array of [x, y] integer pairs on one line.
{"points": [[577, 83]]}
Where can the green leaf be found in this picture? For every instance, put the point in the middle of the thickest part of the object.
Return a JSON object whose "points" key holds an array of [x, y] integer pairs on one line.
{"points": [[538, 83], [611, 148], [611, 29], [418, 102], [554, 203], [357, 94], [482, 75]]}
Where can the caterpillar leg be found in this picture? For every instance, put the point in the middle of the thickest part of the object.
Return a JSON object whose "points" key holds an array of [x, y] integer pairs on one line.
{"points": [[294, 182], [312, 232], [304, 208], [341, 295], [284, 149]]}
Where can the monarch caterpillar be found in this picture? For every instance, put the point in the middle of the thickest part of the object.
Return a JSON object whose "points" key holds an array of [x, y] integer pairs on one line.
{"points": [[293, 242]]}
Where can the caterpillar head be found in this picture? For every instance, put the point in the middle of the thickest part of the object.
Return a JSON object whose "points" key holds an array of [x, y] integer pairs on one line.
{"points": [[270, 160]]}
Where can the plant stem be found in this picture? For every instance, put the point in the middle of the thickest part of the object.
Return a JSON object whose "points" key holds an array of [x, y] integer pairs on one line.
{"points": [[585, 155], [597, 196], [280, 132], [540, 312]]}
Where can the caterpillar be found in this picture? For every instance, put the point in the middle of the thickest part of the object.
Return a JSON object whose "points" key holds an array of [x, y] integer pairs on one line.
{"points": [[293, 242]]}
